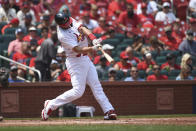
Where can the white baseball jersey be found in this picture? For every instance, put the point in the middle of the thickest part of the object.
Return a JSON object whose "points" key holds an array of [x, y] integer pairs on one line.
{"points": [[71, 37]]}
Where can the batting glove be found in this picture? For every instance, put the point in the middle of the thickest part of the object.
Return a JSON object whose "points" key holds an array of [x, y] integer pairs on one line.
{"points": [[96, 47], [97, 41]]}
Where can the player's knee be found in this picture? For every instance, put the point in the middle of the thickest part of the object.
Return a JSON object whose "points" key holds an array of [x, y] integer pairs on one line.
{"points": [[78, 93]]}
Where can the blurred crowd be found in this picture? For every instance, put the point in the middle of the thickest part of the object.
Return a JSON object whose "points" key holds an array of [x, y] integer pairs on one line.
{"points": [[149, 39]]}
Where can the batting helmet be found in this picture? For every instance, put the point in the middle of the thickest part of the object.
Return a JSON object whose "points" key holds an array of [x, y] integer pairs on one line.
{"points": [[63, 19]]}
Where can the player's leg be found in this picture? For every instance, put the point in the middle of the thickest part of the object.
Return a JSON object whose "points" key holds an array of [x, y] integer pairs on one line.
{"points": [[94, 83], [78, 74]]}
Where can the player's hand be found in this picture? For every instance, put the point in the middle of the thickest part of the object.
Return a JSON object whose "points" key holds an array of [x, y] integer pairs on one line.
{"points": [[97, 41], [96, 47]]}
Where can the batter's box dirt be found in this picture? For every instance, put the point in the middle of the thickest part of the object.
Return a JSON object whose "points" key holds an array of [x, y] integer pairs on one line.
{"points": [[133, 121]]}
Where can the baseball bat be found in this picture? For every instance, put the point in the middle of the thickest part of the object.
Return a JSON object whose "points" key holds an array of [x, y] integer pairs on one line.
{"points": [[107, 56]]}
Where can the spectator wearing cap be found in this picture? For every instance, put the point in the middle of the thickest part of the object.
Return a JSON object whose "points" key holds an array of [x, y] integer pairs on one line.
{"points": [[112, 74], [171, 63], [192, 6], [102, 68], [170, 42], [130, 53], [26, 9], [6, 12], [15, 45], [165, 15], [128, 19], [45, 34], [32, 34], [108, 49], [33, 47], [133, 75], [45, 22], [123, 64], [88, 22], [157, 74], [13, 24], [146, 64], [13, 75], [145, 20], [189, 44]]}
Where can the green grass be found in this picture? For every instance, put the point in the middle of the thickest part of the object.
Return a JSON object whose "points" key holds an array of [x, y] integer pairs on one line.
{"points": [[102, 128]]}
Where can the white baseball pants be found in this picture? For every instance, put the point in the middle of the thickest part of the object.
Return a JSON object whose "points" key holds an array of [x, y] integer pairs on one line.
{"points": [[82, 71]]}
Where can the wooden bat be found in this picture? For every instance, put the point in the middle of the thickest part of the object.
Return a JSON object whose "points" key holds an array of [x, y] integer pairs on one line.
{"points": [[107, 56]]}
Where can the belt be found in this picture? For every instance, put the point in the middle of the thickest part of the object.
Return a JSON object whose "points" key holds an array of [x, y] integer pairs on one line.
{"points": [[78, 55]]}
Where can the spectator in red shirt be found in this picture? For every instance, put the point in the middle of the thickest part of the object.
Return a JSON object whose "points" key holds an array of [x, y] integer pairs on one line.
{"points": [[147, 63], [32, 34], [157, 75], [44, 34], [145, 20], [108, 49], [171, 42], [15, 45], [128, 19], [123, 64], [22, 56], [102, 28], [171, 63], [131, 58], [177, 31], [64, 76], [116, 7], [13, 24]]}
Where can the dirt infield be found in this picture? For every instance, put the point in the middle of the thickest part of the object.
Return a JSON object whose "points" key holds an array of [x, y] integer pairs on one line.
{"points": [[126, 121]]}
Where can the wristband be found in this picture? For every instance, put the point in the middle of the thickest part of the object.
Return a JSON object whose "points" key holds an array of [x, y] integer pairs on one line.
{"points": [[91, 36]]}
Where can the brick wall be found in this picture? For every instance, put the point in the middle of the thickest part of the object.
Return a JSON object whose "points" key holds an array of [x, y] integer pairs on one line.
{"points": [[128, 98]]}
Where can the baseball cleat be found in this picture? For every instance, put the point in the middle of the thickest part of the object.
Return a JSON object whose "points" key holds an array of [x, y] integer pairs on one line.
{"points": [[46, 112], [110, 115]]}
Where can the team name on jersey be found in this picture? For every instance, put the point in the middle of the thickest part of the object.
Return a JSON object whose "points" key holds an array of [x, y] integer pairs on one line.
{"points": [[80, 37]]}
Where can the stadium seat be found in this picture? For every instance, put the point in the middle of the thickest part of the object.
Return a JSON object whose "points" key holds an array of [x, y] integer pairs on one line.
{"points": [[8, 38], [164, 72], [120, 75], [165, 52], [142, 74], [174, 73], [128, 41], [193, 73], [160, 60], [119, 36], [10, 31], [121, 47], [113, 42]]}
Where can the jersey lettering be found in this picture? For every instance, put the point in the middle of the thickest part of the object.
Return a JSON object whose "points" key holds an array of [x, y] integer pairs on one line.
{"points": [[79, 37]]}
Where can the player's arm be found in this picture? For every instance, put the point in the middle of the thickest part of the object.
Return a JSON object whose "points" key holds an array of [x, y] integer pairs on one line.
{"points": [[91, 36], [85, 50]]}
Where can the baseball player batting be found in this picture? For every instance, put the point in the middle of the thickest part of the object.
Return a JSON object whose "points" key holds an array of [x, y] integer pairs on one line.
{"points": [[74, 38]]}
